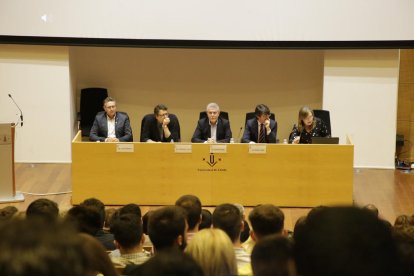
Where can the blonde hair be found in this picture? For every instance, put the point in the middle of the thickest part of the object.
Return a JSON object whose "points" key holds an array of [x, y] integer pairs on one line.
{"points": [[304, 112], [214, 252]]}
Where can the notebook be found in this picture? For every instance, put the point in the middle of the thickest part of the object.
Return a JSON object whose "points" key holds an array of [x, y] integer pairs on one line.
{"points": [[325, 140]]}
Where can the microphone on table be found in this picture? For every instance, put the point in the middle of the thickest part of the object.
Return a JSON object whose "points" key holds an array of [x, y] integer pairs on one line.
{"points": [[21, 113]]}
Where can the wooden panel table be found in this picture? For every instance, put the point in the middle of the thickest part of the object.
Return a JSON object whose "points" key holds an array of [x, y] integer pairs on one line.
{"points": [[154, 174]]}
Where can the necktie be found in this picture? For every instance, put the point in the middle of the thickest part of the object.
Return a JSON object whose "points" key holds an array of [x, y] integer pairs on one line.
{"points": [[262, 134]]}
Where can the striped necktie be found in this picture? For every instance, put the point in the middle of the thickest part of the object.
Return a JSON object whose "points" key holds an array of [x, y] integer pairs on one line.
{"points": [[262, 134]]}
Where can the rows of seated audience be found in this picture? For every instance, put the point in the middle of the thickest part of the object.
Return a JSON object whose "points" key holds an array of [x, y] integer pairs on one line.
{"points": [[185, 239]]}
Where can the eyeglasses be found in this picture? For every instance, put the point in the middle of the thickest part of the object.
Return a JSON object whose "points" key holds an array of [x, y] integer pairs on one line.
{"points": [[163, 115]]}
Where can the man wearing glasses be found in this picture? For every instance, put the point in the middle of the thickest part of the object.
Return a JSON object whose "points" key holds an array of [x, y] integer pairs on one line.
{"points": [[161, 127], [261, 129]]}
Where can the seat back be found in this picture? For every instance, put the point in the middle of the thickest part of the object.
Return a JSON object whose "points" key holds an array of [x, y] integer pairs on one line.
{"points": [[223, 114], [325, 117], [91, 102], [251, 115]]}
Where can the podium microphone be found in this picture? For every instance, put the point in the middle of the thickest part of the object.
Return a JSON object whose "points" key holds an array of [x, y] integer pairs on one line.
{"points": [[238, 136], [21, 113]]}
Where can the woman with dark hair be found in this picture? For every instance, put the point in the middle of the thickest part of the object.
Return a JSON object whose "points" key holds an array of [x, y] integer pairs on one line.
{"points": [[308, 126]]}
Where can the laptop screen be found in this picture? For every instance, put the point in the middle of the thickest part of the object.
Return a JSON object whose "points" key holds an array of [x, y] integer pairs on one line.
{"points": [[325, 140]]}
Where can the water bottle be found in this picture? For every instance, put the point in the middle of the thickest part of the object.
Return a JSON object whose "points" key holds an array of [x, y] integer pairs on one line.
{"points": [[285, 141], [231, 140]]}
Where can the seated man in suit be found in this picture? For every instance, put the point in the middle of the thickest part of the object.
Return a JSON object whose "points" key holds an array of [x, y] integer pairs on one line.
{"points": [[261, 129], [212, 129], [161, 127], [110, 125]]}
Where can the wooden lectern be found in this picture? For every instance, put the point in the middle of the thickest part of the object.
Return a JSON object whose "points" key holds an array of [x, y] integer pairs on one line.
{"points": [[7, 177]]}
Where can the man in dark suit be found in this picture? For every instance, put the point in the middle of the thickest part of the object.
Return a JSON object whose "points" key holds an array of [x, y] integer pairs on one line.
{"points": [[160, 127], [212, 129], [110, 125], [261, 129]]}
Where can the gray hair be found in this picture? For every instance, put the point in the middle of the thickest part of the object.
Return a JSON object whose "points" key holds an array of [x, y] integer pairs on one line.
{"points": [[213, 106]]}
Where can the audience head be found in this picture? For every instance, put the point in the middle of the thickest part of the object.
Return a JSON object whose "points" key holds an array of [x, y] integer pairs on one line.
{"points": [[192, 206], [43, 208], [213, 250], [130, 209], [85, 219], [109, 105], [372, 208], [213, 112], [171, 262], [167, 228], [273, 256], [227, 217], [344, 241], [98, 205], [404, 239], [127, 230], [403, 221], [7, 213], [266, 219], [145, 219], [206, 219], [34, 247]]}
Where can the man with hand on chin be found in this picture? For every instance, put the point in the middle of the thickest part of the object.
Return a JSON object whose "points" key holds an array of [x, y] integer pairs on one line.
{"points": [[110, 125], [212, 129], [162, 127], [261, 129]]}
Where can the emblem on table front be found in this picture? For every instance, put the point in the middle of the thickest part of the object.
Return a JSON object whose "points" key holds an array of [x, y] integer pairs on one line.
{"points": [[212, 161]]}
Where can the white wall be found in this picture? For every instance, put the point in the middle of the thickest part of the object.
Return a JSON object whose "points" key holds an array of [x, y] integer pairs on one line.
{"points": [[361, 90], [38, 79]]}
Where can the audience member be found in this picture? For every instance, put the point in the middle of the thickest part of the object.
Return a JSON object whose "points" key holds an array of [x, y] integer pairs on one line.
{"points": [[344, 241], [372, 208], [404, 221], [213, 250], [266, 219], [168, 262], [7, 213], [212, 129], [37, 247], [404, 239], [110, 125], [129, 239], [228, 218], [192, 206], [244, 235], [273, 256], [43, 208], [167, 227], [107, 239], [206, 219], [131, 209], [261, 129]]}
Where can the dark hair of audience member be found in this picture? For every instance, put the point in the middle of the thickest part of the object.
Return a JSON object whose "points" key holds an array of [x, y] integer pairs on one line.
{"points": [[404, 239], [206, 219], [403, 221], [37, 247], [85, 219], [372, 208], [109, 213], [131, 209], [192, 206], [127, 230], [266, 219], [171, 262], [345, 241], [43, 208], [7, 213], [245, 234], [273, 256], [145, 219], [98, 261], [99, 206], [165, 226], [228, 218]]}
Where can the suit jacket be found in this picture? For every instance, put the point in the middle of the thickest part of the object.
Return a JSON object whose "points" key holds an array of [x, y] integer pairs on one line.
{"points": [[99, 130], [203, 131], [252, 129], [151, 131]]}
